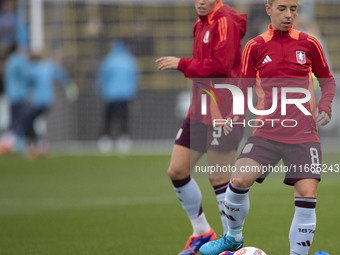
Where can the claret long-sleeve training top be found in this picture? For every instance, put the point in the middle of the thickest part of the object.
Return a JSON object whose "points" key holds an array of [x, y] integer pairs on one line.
{"points": [[287, 60], [216, 54]]}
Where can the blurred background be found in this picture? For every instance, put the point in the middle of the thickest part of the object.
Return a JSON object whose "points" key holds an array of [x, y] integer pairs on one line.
{"points": [[78, 35]]}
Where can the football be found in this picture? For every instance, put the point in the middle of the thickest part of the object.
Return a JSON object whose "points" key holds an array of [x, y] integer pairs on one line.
{"points": [[250, 251]]}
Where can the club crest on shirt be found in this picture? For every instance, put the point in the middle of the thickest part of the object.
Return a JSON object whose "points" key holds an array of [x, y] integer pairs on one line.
{"points": [[301, 57], [206, 37]]}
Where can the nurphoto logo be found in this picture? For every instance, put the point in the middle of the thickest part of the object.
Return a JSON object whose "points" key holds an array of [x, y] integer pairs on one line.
{"points": [[239, 106]]}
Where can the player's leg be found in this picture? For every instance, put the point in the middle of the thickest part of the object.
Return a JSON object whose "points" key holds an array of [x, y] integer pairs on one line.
{"points": [[183, 159], [236, 210], [237, 195], [124, 118], [305, 191], [304, 222], [105, 142], [256, 153], [108, 114], [219, 180], [30, 133], [221, 151], [187, 190], [123, 141], [19, 130]]}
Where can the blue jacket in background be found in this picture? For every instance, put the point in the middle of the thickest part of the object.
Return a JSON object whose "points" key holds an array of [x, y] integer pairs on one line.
{"points": [[15, 78], [41, 76], [118, 75]]}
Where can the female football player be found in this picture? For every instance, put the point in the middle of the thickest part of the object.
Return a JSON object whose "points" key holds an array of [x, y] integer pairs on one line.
{"points": [[280, 63], [216, 54]]}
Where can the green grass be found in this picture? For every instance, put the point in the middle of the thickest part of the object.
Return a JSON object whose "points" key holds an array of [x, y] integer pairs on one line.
{"points": [[126, 205]]}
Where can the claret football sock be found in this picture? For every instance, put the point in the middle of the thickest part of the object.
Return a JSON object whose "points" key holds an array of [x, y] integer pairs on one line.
{"points": [[303, 226], [220, 196], [190, 197], [236, 209]]}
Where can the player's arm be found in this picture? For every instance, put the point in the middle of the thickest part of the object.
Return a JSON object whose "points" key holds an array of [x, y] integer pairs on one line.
{"points": [[326, 80], [226, 41]]}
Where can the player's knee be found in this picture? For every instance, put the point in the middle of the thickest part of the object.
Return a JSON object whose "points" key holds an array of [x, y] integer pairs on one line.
{"points": [[177, 172], [308, 193], [306, 188], [242, 182]]}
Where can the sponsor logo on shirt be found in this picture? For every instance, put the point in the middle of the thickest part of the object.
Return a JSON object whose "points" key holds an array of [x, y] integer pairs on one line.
{"points": [[301, 57], [267, 60], [206, 37], [215, 142]]}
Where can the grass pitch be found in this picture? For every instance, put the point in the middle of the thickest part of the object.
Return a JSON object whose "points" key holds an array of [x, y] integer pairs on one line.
{"points": [[126, 205]]}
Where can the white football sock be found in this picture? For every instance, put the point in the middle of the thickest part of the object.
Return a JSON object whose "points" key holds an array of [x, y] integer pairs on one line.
{"points": [[303, 226], [190, 196], [200, 225], [220, 196], [237, 208]]}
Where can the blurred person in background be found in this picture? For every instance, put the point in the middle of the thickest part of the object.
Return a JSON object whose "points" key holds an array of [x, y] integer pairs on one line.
{"points": [[216, 54], [8, 23], [41, 74], [15, 84], [118, 83]]}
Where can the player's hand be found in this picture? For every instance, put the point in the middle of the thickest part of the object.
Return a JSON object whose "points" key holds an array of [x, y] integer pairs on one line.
{"points": [[166, 63], [322, 118], [228, 127]]}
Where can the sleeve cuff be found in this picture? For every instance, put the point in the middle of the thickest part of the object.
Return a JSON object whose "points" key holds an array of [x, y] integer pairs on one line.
{"points": [[181, 65], [326, 109]]}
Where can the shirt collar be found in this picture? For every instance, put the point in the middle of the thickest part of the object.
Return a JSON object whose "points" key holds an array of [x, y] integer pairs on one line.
{"points": [[273, 32]]}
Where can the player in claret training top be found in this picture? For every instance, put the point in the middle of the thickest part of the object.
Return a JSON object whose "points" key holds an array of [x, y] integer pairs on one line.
{"points": [[216, 54], [280, 63]]}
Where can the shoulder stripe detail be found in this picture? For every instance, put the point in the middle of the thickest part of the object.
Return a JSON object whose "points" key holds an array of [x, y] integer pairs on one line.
{"points": [[295, 34], [246, 53], [267, 36], [319, 47], [246, 48], [223, 28]]}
